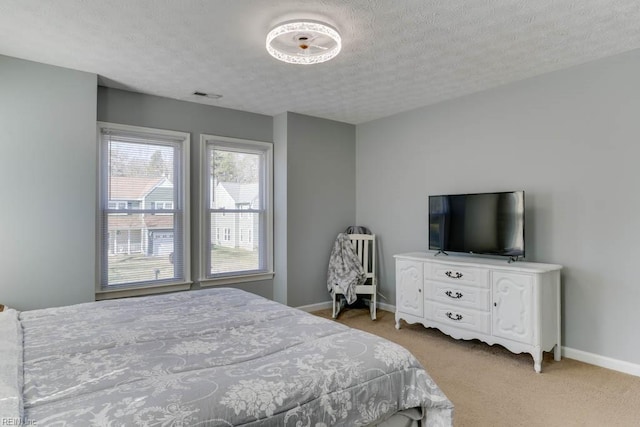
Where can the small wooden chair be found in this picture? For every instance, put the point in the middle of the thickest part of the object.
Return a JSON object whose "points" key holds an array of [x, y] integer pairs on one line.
{"points": [[365, 247]]}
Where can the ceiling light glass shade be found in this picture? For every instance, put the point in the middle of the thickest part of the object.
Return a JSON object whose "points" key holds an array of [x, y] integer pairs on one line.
{"points": [[303, 42]]}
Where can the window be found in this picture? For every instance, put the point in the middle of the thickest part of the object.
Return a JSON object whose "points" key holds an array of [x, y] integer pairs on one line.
{"points": [[139, 249], [163, 205], [118, 205], [242, 206], [237, 187]]}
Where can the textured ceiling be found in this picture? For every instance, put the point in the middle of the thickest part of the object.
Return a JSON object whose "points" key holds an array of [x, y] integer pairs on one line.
{"points": [[397, 55]]}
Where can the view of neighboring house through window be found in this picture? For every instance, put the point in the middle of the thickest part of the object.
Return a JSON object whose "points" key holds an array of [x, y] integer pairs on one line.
{"points": [[143, 208], [238, 201]]}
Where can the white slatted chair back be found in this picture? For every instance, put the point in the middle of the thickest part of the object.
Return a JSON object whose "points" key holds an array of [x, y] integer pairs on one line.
{"points": [[365, 247]]}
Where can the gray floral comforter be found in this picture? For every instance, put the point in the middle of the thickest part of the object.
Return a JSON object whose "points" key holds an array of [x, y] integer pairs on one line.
{"points": [[211, 357]]}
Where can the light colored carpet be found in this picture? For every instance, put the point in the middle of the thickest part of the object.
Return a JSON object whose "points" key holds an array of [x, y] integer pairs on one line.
{"points": [[490, 386]]}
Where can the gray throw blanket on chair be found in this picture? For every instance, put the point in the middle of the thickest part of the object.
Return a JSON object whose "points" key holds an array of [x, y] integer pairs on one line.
{"points": [[345, 270]]}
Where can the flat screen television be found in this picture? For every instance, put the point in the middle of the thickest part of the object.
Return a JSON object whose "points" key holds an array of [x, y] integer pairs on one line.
{"points": [[484, 223]]}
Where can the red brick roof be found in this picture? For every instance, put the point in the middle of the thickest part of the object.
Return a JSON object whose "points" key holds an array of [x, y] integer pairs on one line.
{"points": [[131, 187]]}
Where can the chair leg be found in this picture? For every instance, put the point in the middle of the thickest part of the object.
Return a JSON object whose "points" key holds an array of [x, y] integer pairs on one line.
{"points": [[373, 306], [334, 314]]}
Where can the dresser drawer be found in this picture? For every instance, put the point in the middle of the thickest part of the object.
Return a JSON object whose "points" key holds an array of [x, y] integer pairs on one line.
{"points": [[459, 274], [466, 318], [457, 295]]}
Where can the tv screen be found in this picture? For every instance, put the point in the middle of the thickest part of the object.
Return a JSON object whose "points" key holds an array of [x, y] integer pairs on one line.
{"points": [[486, 223]]}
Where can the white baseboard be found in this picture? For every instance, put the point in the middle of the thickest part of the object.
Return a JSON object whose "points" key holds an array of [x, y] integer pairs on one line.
{"points": [[386, 307], [329, 304], [602, 361], [316, 307]]}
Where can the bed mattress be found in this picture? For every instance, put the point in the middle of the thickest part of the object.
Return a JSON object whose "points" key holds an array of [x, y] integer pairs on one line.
{"points": [[209, 357]]}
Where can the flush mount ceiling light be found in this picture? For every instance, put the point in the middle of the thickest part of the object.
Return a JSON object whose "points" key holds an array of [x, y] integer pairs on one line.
{"points": [[303, 42]]}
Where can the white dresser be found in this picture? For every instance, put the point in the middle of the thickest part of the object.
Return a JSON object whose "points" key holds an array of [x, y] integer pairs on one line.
{"points": [[516, 305]]}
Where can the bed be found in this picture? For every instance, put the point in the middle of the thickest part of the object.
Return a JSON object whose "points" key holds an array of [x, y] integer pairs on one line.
{"points": [[209, 357]]}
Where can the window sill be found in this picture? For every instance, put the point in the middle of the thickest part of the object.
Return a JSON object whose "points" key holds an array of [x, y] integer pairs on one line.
{"points": [[141, 291], [235, 279]]}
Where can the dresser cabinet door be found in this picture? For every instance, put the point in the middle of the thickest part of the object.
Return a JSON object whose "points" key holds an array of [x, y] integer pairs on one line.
{"points": [[513, 306], [409, 281]]}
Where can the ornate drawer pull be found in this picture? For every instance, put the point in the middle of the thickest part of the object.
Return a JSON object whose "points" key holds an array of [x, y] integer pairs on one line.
{"points": [[456, 275], [451, 295], [452, 317]]}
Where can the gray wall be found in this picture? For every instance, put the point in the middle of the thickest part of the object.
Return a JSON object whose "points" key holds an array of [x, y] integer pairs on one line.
{"points": [[570, 140], [47, 190], [320, 199], [130, 108]]}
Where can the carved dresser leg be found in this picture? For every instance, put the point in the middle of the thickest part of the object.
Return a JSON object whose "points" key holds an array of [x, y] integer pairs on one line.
{"points": [[537, 361]]}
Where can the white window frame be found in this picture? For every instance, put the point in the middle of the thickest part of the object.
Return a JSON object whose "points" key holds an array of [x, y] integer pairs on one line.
{"points": [[181, 186], [238, 145]]}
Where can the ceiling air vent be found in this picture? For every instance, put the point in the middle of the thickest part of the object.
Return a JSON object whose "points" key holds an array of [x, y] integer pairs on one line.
{"points": [[207, 95]]}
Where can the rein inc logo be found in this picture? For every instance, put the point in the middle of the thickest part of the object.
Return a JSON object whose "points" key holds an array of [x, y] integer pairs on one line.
{"points": [[16, 421]]}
